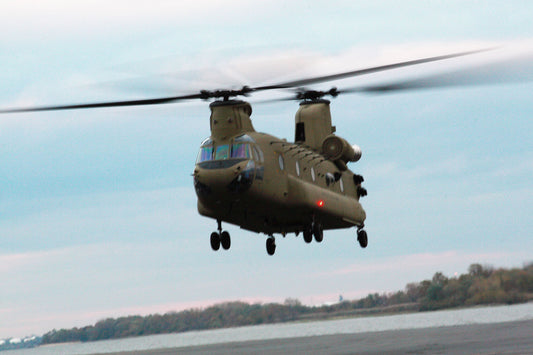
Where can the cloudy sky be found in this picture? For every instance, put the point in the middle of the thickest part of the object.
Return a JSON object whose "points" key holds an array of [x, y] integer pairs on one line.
{"points": [[97, 210]]}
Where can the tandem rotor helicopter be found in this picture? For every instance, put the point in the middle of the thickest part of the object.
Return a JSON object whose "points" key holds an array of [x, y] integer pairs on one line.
{"points": [[268, 185]]}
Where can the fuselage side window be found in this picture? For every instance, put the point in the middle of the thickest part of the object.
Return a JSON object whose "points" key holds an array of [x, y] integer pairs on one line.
{"points": [[297, 168], [341, 185], [281, 162], [222, 152], [313, 173]]}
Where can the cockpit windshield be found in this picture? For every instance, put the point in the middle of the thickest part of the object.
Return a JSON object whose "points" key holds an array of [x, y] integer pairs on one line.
{"points": [[222, 152], [240, 149]]}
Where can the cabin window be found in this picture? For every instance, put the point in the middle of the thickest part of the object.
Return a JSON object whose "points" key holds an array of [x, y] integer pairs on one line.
{"points": [[222, 152], [205, 154], [341, 185], [281, 162], [330, 179], [297, 168], [241, 150], [313, 173]]}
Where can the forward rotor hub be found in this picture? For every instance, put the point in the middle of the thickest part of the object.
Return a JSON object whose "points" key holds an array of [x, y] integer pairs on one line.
{"points": [[225, 94]]}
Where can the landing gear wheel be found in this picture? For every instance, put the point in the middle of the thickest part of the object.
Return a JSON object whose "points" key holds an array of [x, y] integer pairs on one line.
{"points": [[362, 238], [215, 241], [225, 240], [271, 246], [308, 235], [318, 232]]}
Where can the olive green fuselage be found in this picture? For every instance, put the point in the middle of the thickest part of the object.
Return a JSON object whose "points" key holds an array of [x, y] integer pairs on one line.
{"points": [[264, 184]]}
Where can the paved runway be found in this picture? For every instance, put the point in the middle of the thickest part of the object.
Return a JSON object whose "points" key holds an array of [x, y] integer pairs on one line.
{"points": [[497, 338]]}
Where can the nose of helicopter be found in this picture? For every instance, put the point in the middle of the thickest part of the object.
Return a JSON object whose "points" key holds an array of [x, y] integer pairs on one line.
{"points": [[220, 181]]}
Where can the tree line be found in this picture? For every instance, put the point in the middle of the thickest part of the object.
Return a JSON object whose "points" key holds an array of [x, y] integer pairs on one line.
{"points": [[481, 285]]}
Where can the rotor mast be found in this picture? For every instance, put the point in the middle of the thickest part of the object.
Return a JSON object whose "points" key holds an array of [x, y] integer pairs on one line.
{"points": [[230, 118], [313, 123]]}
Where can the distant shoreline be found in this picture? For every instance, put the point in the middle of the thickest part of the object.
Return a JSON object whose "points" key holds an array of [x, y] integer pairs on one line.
{"points": [[482, 285], [496, 338], [400, 309], [284, 332]]}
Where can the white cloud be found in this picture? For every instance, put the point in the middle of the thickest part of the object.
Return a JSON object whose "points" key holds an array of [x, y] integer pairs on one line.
{"points": [[448, 261], [522, 166], [11, 262], [449, 166], [97, 17], [87, 219]]}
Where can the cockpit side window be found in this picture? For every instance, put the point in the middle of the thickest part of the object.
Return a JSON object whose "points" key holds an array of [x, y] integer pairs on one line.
{"points": [[258, 154], [205, 154], [207, 141], [222, 152], [206, 151]]}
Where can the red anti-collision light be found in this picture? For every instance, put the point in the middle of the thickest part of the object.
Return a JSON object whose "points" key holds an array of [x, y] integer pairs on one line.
{"points": [[320, 203]]}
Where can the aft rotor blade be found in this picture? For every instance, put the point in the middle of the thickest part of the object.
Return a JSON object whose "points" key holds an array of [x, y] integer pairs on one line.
{"points": [[516, 70], [365, 71], [156, 101]]}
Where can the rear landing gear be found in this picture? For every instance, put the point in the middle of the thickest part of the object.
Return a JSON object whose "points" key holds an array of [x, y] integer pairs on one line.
{"points": [[271, 245], [316, 230], [215, 241], [220, 238], [362, 238]]}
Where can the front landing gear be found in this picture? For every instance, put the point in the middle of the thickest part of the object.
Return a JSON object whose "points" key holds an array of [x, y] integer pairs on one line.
{"points": [[362, 237], [220, 238], [271, 245], [308, 235]]}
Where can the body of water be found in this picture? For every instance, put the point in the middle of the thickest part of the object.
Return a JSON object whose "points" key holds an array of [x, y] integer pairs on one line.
{"points": [[478, 315]]}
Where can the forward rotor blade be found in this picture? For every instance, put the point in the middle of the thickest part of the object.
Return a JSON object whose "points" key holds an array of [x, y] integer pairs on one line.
{"points": [[320, 79], [156, 101]]}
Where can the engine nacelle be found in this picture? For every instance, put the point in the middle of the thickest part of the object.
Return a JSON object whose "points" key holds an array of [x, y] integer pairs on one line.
{"points": [[336, 148]]}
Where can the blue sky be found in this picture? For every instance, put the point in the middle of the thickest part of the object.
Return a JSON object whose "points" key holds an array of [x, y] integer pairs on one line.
{"points": [[97, 211]]}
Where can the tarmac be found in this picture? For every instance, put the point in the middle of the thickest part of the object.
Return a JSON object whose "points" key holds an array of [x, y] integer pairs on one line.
{"points": [[497, 338]]}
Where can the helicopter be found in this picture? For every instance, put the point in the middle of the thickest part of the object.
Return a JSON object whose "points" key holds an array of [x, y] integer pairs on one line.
{"points": [[268, 185]]}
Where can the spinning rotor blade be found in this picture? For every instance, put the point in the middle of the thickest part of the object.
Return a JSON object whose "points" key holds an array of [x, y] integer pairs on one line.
{"points": [[516, 70], [365, 71], [245, 91], [157, 101]]}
